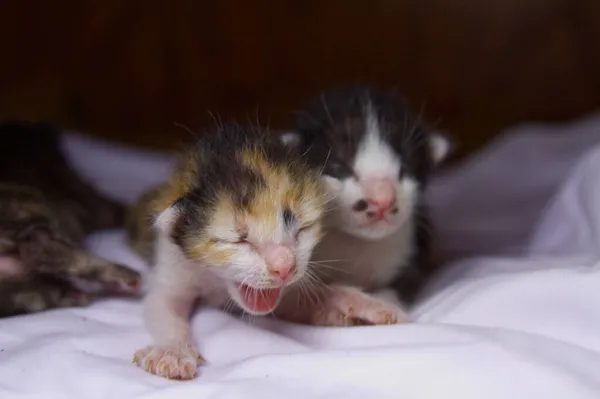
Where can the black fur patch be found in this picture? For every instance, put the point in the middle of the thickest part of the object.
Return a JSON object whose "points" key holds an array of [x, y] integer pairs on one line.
{"points": [[409, 284], [288, 217], [333, 125]]}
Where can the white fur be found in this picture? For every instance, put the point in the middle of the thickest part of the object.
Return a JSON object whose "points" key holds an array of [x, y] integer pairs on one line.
{"points": [[374, 158], [291, 139], [440, 146], [164, 222], [175, 283]]}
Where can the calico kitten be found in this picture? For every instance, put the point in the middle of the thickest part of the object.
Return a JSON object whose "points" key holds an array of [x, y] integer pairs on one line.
{"points": [[46, 210], [234, 226]]}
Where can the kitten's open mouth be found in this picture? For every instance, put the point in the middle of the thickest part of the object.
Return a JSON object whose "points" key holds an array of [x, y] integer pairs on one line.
{"points": [[259, 300]]}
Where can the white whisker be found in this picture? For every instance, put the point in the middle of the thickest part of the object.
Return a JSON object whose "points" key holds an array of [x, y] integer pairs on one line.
{"points": [[311, 289], [328, 267], [331, 122], [325, 163]]}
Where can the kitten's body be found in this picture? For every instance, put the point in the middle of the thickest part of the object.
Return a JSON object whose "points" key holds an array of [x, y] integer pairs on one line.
{"points": [[45, 212], [371, 265], [376, 161], [234, 225]]}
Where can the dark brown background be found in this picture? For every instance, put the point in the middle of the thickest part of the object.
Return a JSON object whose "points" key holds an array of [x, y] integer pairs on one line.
{"points": [[129, 69]]}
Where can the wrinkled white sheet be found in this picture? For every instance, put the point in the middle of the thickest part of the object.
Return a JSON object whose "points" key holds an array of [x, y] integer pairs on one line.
{"points": [[518, 319]]}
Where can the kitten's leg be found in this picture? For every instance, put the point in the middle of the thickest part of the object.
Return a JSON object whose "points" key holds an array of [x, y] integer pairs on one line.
{"points": [[356, 307], [343, 306], [167, 309], [40, 249], [97, 274], [38, 295], [45, 253]]}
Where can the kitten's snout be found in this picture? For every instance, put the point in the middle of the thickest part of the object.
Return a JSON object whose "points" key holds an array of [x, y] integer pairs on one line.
{"points": [[381, 194], [379, 199], [280, 261]]}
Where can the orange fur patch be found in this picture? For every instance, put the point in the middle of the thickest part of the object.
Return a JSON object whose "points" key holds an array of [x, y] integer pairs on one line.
{"points": [[207, 250]]}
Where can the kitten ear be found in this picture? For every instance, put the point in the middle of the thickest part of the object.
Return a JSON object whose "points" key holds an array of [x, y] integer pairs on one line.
{"points": [[167, 218], [290, 139], [440, 146]]}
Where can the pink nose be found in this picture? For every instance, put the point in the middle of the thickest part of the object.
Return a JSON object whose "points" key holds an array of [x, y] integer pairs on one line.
{"points": [[283, 273], [381, 194], [280, 260]]}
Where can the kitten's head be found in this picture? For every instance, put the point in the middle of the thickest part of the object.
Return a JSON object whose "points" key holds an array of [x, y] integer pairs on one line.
{"points": [[375, 158], [251, 210]]}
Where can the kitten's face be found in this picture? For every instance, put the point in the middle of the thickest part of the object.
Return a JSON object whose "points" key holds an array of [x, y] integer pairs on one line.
{"points": [[266, 247], [372, 190], [375, 162], [263, 243]]}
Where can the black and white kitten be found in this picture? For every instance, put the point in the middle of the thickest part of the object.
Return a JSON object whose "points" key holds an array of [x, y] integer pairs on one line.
{"points": [[377, 160]]}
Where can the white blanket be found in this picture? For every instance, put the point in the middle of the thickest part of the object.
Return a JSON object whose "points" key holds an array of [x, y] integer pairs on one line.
{"points": [[517, 319]]}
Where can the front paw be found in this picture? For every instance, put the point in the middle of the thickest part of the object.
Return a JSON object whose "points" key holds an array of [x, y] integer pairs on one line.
{"points": [[179, 362], [119, 279], [74, 298], [351, 307]]}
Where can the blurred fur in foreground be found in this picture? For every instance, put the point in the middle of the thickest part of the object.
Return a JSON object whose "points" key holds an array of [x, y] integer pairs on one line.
{"points": [[46, 210]]}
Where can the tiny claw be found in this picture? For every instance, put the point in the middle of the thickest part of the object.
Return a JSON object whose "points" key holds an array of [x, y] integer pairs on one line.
{"points": [[189, 371], [135, 360], [151, 366]]}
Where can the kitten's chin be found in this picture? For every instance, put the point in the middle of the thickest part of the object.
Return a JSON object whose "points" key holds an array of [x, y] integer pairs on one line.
{"points": [[371, 232]]}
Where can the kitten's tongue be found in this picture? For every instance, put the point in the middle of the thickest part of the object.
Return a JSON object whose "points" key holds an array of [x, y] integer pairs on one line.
{"points": [[259, 299]]}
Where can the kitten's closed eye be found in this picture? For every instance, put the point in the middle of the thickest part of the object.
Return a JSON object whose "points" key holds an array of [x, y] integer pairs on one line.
{"points": [[305, 227], [242, 239]]}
